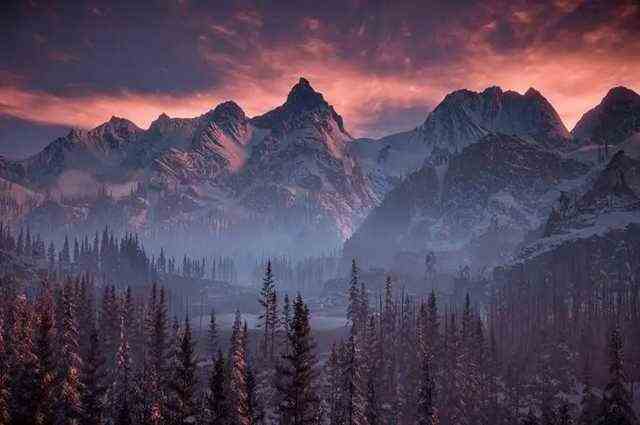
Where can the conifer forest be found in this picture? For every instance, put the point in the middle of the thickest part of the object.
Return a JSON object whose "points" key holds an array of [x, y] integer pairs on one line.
{"points": [[346, 212]]}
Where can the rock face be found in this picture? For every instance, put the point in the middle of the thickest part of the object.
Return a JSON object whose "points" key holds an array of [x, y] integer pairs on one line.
{"points": [[613, 121], [465, 116], [612, 199], [478, 204], [285, 175], [592, 235], [461, 119], [305, 161]]}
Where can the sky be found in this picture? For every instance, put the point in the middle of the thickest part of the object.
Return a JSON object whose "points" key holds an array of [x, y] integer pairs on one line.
{"points": [[382, 64]]}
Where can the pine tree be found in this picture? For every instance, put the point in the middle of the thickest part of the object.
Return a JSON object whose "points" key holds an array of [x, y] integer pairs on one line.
{"points": [[44, 349], [374, 363], [110, 331], [121, 400], [65, 257], [299, 405], [93, 382], [22, 362], [354, 307], [389, 396], [616, 403], [51, 256], [589, 403], [217, 402], [354, 385], [256, 411], [267, 321], [332, 382], [238, 376], [69, 405], [426, 414], [5, 419], [183, 383], [157, 356], [213, 336]]}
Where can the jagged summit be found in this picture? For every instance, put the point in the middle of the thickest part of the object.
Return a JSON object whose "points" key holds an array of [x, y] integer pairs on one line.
{"points": [[464, 116], [614, 120], [121, 127], [303, 106], [531, 92], [302, 95], [228, 108]]}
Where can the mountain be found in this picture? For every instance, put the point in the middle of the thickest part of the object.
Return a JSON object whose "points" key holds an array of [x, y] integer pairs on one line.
{"points": [[287, 174], [461, 119], [614, 196], [305, 163], [99, 151], [464, 116], [613, 121], [591, 234], [473, 208]]}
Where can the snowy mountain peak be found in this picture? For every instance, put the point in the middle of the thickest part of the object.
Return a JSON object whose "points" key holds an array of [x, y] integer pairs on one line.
{"points": [[116, 126], [464, 116]]}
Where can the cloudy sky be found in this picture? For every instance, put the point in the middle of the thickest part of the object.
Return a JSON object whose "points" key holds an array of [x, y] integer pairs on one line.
{"points": [[382, 64]]}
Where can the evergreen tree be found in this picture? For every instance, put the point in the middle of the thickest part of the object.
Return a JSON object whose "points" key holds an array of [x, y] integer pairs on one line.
{"points": [[5, 419], [299, 404], [426, 414], [69, 404], [354, 307], [373, 366], [616, 403], [217, 402], [65, 257], [45, 353], [22, 362], [121, 400], [267, 319], [354, 385], [51, 256], [93, 382], [389, 396], [238, 376], [589, 403], [213, 336], [157, 356], [183, 383], [332, 383]]}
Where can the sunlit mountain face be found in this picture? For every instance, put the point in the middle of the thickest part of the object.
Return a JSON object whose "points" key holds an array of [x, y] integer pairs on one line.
{"points": [[292, 213]]}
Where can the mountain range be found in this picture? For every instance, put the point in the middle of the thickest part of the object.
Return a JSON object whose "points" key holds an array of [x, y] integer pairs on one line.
{"points": [[483, 165]]}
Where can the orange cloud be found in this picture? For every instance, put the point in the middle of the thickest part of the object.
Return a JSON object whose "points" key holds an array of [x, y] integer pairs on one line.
{"points": [[260, 78]]}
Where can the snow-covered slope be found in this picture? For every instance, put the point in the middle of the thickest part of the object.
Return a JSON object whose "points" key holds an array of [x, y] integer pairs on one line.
{"points": [[305, 163], [465, 116], [592, 234], [288, 172], [461, 119], [610, 201], [478, 204]]}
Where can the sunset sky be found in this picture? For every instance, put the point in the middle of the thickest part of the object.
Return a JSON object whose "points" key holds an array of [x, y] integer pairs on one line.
{"points": [[382, 64]]}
